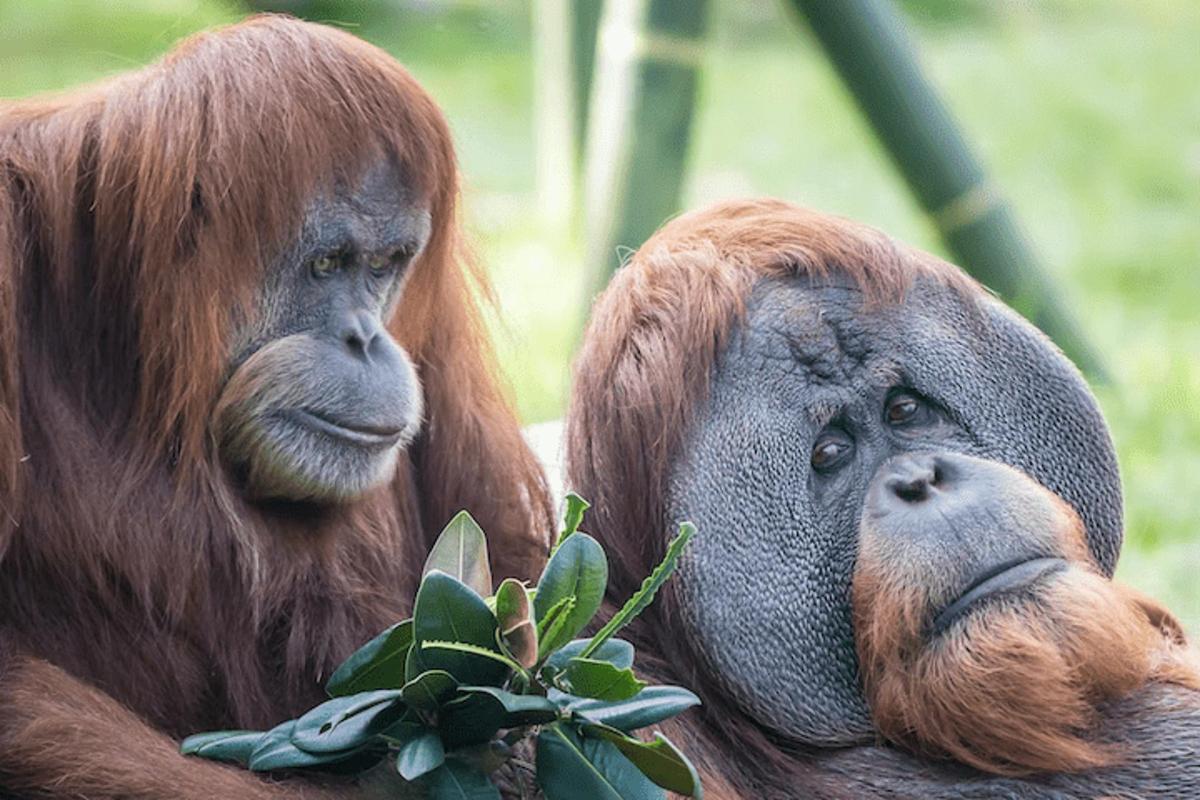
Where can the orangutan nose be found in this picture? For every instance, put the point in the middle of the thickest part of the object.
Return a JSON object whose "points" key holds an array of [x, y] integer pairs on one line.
{"points": [[915, 478]]}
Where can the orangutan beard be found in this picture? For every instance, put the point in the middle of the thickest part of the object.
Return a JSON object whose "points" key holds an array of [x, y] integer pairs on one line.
{"points": [[1018, 684]]}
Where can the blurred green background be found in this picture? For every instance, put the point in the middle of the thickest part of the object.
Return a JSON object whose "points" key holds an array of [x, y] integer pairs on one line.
{"points": [[1087, 113]]}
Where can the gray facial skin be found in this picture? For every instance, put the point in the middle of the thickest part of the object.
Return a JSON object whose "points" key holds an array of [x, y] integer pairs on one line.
{"points": [[322, 399], [766, 590], [923, 515]]}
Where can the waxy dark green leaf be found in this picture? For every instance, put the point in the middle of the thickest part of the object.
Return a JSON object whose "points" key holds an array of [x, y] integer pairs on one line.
{"points": [[427, 691], [512, 603], [652, 704], [461, 552], [570, 767], [644, 595], [659, 760], [470, 719], [232, 746], [412, 664], [448, 610], [378, 664], [276, 751], [572, 517], [420, 755], [344, 723], [455, 780], [601, 680], [407, 727], [550, 626], [519, 709], [577, 569], [617, 652], [494, 654]]}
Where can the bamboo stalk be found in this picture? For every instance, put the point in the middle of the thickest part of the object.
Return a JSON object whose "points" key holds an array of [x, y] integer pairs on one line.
{"points": [[648, 56], [585, 27], [868, 46], [553, 103]]}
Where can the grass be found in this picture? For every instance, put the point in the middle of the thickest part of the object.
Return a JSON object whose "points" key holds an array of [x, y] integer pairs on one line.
{"points": [[1086, 113]]}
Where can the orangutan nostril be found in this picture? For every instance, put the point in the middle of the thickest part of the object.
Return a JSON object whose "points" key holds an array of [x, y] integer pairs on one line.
{"points": [[913, 489]]}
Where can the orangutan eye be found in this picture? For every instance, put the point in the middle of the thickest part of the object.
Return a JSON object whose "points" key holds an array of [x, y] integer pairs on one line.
{"points": [[379, 264], [905, 408], [383, 263], [830, 450], [325, 265]]}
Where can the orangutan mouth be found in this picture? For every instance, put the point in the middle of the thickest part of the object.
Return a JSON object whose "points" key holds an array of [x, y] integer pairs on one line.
{"points": [[360, 434], [1004, 578]]}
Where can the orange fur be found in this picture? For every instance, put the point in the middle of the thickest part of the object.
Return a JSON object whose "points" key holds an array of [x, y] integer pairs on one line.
{"points": [[137, 220], [1017, 686]]}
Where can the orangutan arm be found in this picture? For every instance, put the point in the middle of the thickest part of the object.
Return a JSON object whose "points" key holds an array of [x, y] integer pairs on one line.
{"points": [[60, 738], [1158, 728]]}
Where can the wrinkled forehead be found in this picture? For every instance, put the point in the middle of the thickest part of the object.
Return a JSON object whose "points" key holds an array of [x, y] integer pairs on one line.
{"points": [[385, 181], [830, 344], [380, 204]]}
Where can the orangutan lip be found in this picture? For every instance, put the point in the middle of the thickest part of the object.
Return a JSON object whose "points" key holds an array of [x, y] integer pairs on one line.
{"points": [[1006, 577], [372, 436]]}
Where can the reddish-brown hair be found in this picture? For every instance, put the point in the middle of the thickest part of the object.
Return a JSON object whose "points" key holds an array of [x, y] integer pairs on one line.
{"points": [[10, 451], [137, 217], [1017, 688]]}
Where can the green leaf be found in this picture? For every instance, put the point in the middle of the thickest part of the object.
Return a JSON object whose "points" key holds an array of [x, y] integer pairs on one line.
{"points": [[461, 552], [447, 610], [572, 516], [427, 691], [412, 664], [617, 652], [475, 650], [420, 755], [455, 780], [512, 603], [470, 719], [232, 746], [577, 569], [660, 761], [378, 664], [570, 767], [521, 644], [601, 680], [551, 623], [410, 725], [519, 709], [652, 704], [645, 595], [276, 751], [344, 723], [513, 615]]}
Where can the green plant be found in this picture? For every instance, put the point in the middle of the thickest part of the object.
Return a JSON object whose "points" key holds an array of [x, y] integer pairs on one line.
{"points": [[448, 695]]}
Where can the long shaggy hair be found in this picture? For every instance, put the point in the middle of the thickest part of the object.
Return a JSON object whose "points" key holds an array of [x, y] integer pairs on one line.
{"points": [[137, 218], [1017, 686]]}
